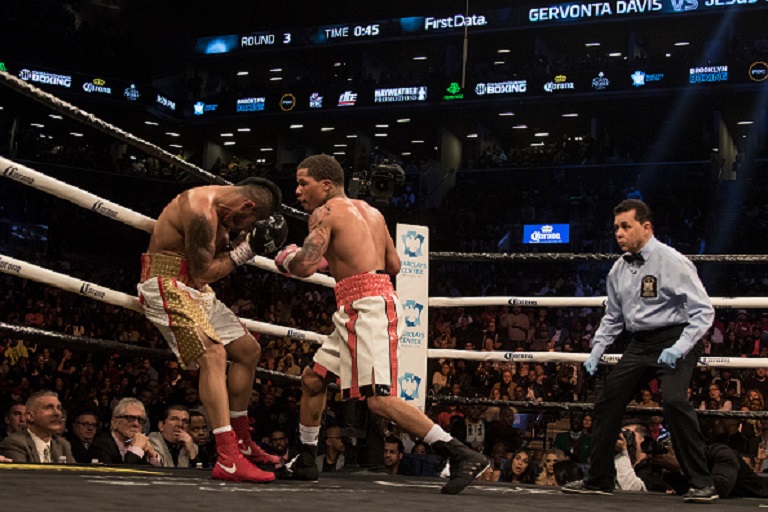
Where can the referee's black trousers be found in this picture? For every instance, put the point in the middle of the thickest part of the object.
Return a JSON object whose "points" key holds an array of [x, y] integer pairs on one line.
{"points": [[621, 385]]}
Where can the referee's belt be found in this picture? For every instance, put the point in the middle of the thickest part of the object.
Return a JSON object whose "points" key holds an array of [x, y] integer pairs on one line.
{"points": [[658, 334]]}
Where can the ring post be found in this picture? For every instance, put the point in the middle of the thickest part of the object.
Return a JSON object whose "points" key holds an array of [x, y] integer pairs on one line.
{"points": [[413, 289]]}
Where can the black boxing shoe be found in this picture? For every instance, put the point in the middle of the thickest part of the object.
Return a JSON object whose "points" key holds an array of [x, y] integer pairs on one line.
{"points": [[580, 487], [465, 464], [703, 495], [302, 466]]}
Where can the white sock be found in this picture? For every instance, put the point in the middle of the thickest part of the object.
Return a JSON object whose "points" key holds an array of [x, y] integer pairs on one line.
{"points": [[437, 434], [237, 414], [221, 430], [309, 435]]}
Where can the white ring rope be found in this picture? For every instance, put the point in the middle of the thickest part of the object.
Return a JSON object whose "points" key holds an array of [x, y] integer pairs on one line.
{"points": [[32, 178], [581, 302], [27, 270], [565, 357]]}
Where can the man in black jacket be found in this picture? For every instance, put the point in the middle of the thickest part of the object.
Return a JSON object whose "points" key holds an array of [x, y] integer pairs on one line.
{"points": [[125, 443], [81, 435]]}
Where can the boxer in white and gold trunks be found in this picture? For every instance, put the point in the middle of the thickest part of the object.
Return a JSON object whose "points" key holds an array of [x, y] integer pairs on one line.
{"points": [[189, 249], [351, 239]]}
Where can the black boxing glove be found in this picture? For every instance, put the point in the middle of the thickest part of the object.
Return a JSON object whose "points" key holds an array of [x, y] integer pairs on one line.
{"points": [[266, 237]]}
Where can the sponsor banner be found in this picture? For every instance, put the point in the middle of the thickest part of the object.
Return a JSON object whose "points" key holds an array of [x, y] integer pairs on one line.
{"points": [[703, 74], [42, 77], [347, 99], [287, 102], [641, 78], [546, 233], [166, 102], [97, 85], [251, 104], [315, 100], [758, 71], [454, 92], [508, 87], [559, 83], [400, 94], [201, 108], [413, 289], [13, 173]]}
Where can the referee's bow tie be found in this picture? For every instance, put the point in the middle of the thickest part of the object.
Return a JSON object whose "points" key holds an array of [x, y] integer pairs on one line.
{"points": [[630, 257]]}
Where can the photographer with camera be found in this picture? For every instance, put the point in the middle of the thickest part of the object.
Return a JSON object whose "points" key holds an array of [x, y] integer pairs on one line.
{"points": [[657, 469]]}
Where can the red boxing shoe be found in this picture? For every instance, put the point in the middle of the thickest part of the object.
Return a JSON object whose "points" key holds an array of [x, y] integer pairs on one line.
{"points": [[255, 454], [238, 469]]}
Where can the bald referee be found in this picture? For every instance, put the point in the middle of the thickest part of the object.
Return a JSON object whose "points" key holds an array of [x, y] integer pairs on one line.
{"points": [[655, 294]]}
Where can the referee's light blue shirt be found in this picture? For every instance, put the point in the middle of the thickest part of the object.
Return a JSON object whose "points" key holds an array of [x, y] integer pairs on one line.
{"points": [[663, 290]]}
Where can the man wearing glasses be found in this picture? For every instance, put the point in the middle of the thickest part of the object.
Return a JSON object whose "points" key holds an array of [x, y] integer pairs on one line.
{"points": [[125, 443], [81, 436]]}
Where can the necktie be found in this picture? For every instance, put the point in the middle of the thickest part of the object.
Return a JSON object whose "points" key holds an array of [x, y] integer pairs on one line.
{"points": [[47, 455], [629, 257]]}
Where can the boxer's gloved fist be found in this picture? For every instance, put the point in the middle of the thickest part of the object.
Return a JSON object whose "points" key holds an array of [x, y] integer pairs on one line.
{"points": [[284, 258], [669, 357], [266, 237], [590, 365]]}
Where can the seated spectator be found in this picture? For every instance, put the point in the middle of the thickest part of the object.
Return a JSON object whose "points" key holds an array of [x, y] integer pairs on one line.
{"points": [[176, 447], [278, 442], [567, 471], [442, 378], [125, 443], [333, 458], [201, 435], [41, 440], [646, 400], [393, 454], [15, 418], [504, 430], [575, 444], [546, 474], [84, 428], [716, 401], [519, 470], [471, 430], [445, 418]]}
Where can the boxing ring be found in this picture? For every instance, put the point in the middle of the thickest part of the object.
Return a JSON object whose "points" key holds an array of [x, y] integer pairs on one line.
{"points": [[419, 492]]}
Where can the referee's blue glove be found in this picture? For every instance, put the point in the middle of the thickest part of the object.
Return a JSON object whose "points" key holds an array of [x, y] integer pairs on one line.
{"points": [[669, 357], [590, 365]]}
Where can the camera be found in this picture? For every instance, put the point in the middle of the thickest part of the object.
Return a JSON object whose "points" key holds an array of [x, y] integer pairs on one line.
{"points": [[381, 185], [651, 446]]}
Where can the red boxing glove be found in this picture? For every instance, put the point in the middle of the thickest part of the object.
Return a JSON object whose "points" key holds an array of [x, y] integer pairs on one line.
{"points": [[284, 258]]}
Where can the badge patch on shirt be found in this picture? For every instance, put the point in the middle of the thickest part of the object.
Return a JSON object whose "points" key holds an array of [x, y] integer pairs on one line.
{"points": [[649, 288]]}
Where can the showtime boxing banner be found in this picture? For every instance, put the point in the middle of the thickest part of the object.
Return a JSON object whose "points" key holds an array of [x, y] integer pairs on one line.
{"points": [[413, 288]]}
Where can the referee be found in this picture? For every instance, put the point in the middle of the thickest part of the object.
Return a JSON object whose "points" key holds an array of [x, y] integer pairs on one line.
{"points": [[655, 294]]}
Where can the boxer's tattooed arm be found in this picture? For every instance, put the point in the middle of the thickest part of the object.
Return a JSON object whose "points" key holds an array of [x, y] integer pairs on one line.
{"points": [[201, 250], [317, 241]]}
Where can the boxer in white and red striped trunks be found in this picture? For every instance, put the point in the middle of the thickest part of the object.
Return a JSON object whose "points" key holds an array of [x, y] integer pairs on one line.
{"points": [[350, 238]]}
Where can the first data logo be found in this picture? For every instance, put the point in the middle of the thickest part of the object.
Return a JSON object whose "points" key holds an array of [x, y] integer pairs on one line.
{"points": [[409, 386], [412, 311], [412, 244]]}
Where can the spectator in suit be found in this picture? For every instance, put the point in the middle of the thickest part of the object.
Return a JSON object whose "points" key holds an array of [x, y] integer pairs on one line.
{"points": [[40, 442], [176, 447], [16, 418], [125, 443], [84, 428]]}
